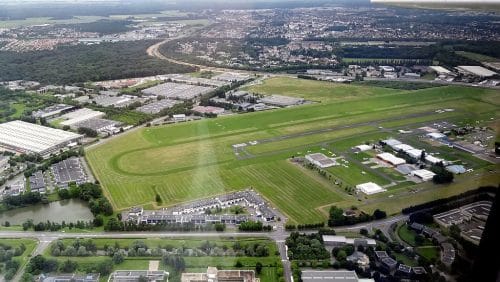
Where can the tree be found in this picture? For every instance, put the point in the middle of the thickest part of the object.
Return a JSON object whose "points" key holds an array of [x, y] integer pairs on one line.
{"points": [[341, 256], [68, 266], [98, 220], [220, 227], [40, 264], [442, 175], [363, 231], [378, 214], [258, 267], [27, 277], [105, 267], [6, 224], [238, 264], [118, 257], [87, 131], [158, 199]]}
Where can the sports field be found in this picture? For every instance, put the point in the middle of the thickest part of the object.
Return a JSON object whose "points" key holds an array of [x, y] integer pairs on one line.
{"points": [[193, 160]]}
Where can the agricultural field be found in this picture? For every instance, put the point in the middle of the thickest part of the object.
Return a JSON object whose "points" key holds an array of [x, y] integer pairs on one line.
{"points": [[197, 253], [188, 161]]}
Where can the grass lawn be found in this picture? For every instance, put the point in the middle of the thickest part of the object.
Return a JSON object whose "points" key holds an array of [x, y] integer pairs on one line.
{"points": [[188, 161], [428, 252], [354, 174]]}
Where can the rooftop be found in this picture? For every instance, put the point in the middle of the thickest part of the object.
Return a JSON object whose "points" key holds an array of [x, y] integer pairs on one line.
{"points": [[329, 276], [32, 137]]}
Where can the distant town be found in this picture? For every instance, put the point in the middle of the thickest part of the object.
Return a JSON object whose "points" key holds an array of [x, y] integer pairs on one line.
{"points": [[283, 141]]}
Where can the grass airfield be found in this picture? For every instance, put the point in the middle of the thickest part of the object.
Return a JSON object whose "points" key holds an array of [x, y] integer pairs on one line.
{"points": [[193, 160]]}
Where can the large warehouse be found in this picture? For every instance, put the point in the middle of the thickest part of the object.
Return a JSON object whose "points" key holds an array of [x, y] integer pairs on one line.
{"points": [[26, 137]]}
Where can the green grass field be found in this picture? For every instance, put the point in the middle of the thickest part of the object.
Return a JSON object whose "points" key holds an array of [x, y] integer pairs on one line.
{"points": [[194, 160]]}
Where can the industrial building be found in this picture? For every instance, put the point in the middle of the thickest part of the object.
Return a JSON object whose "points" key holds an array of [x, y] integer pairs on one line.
{"points": [[25, 137], [158, 106], [370, 188], [80, 115], [440, 70], [177, 91], [208, 110], [232, 76], [99, 125], [52, 111], [476, 71]]}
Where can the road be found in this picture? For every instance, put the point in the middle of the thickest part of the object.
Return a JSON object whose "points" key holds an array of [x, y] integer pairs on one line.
{"points": [[279, 236]]}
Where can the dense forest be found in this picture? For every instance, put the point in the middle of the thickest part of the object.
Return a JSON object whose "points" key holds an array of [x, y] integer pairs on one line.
{"points": [[81, 63], [102, 26]]}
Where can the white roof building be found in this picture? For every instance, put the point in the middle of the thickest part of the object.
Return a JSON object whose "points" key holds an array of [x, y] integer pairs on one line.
{"points": [[433, 160], [329, 276], [435, 135], [363, 147], [80, 115], [476, 70], [403, 147], [343, 240], [387, 68], [390, 158], [179, 117], [370, 188], [391, 142], [440, 70], [414, 153], [423, 174], [32, 138]]}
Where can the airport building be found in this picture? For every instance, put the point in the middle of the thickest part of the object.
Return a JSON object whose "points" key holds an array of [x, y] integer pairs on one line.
{"points": [[369, 188], [24, 137], [423, 174], [320, 160], [391, 159]]}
